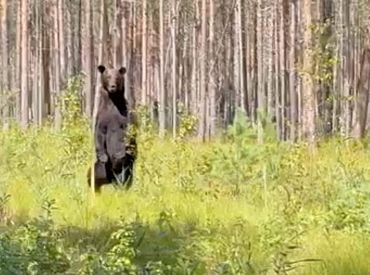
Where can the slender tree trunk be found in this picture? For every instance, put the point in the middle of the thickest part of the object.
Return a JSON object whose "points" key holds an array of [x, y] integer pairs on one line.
{"points": [[282, 69], [62, 46], [124, 49], [307, 82], [212, 77], [87, 49], [194, 73], [248, 58], [236, 56], [115, 34], [24, 65], [57, 68], [101, 52], [292, 75], [202, 120], [162, 104], [362, 98], [259, 53], [241, 103], [4, 45], [40, 41], [270, 61], [174, 87], [46, 63], [69, 25], [17, 74], [4, 87], [343, 54], [36, 89], [144, 55], [78, 39]]}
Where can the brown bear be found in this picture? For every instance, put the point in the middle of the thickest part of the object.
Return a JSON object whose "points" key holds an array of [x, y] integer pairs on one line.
{"points": [[115, 147]]}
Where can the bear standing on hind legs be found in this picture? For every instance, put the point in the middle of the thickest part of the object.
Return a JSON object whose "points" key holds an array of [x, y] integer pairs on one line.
{"points": [[115, 147]]}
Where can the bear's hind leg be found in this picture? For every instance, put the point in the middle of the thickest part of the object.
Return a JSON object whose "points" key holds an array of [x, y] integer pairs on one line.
{"points": [[101, 176]]}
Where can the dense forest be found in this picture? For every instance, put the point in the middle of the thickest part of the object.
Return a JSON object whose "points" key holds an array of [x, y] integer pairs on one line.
{"points": [[300, 64], [231, 97]]}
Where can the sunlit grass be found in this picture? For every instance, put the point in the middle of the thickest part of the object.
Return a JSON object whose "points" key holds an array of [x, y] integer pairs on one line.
{"points": [[227, 206]]}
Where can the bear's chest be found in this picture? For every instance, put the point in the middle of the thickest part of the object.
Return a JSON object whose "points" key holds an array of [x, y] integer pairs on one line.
{"points": [[111, 119]]}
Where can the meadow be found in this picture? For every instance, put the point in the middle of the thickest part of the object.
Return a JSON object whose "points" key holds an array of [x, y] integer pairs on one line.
{"points": [[227, 206]]}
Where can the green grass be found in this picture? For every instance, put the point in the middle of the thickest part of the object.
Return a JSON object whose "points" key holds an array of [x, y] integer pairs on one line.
{"points": [[228, 206]]}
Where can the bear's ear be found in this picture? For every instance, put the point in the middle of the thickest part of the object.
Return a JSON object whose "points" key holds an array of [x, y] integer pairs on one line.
{"points": [[122, 70], [101, 68]]}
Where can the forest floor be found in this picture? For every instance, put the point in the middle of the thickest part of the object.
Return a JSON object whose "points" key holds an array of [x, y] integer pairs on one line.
{"points": [[228, 206]]}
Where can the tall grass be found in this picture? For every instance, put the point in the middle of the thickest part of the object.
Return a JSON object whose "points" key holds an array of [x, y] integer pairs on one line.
{"points": [[229, 206]]}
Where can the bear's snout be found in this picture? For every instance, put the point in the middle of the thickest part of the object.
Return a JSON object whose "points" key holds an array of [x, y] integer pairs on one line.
{"points": [[113, 88]]}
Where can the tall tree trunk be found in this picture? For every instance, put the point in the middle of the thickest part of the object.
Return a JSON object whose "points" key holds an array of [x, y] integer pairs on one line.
{"points": [[101, 52], [292, 75], [194, 72], [36, 91], [260, 86], [270, 61], [174, 87], [46, 62], [40, 103], [16, 80], [57, 68], [308, 99], [62, 46], [202, 113], [124, 50], [144, 55], [212, 78], [162, 104], [239, 9], [362, 98], [4, 87], [87, 55], [24, 64], [115, 34], [236, 55], [282, 73]]}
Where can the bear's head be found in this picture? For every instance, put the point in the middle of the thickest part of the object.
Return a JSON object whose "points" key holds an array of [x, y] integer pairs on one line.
{"points": [[112, 80]]}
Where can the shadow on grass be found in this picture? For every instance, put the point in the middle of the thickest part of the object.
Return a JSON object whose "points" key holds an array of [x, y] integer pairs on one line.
{"points": [[165, 247], [123, 248]]}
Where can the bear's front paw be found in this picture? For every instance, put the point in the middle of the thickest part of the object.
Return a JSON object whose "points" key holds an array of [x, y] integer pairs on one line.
{"points": [[103, 157], [119, 155]]}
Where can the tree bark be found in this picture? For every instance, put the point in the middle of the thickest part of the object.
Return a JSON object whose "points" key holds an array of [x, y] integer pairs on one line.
{"points": [[162, 104], [24, 65], [203, 108], [362, 99], [87, 49], [260, 87], [308, 99], [57, 68], [4, 87], [292, 75], [144, 55], [46, 62], [174, 86], [212, 78], [62, 46]]}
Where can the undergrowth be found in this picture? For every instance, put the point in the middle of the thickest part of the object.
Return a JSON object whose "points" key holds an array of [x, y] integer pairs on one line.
{"points": [[229, 206]]}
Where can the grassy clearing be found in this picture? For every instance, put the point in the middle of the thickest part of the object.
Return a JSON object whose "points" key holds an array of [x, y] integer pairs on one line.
{"points": [[226, 207]]}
